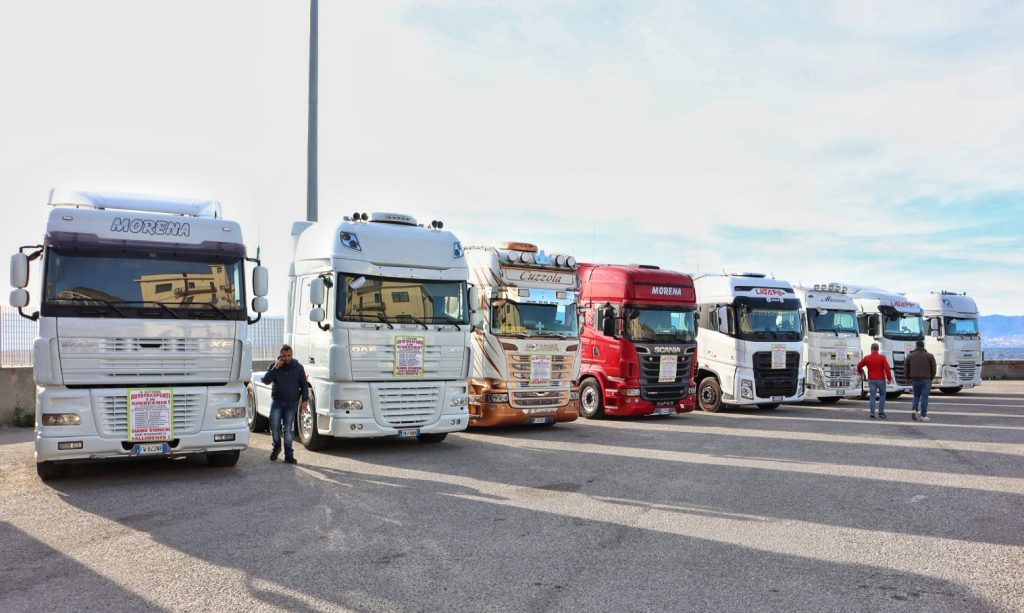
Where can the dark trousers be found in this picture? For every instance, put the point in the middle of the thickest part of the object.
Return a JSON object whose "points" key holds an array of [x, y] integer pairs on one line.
{"points": [[922, 387], [283, 412]]}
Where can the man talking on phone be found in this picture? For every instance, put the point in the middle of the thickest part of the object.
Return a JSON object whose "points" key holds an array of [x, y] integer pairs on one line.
{"points": [[290, 386]]}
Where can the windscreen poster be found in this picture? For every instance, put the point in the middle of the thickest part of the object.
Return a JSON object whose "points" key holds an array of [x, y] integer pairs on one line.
{"points": [[150, 414], [409, 352]]}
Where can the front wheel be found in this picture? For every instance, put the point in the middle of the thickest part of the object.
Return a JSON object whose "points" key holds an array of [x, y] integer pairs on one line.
{"points": [[223, 459], [433, 437], [308, 435], [709, 395], [253, 419], [950, 390], [829, 400], [591, 400], [51, 471]]}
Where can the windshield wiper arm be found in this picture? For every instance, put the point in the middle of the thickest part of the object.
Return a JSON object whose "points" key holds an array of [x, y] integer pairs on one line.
{"points": [[448, 319], [384, 319], [107, 303], [415, 321], [212, 306]]}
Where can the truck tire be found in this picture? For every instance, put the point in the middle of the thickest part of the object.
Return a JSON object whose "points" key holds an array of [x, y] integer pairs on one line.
{"points": [[591, 400], [829, 400], [433, 437], [223, 459], [51, 471], [709, 395], [255, 421], [306, 424], [950, 390]]}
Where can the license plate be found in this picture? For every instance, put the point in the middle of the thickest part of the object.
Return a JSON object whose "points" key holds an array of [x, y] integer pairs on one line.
{"points": [[777, 398], [150, 449], [664, 411], [841, 392], [540, 420], [408, 432]]}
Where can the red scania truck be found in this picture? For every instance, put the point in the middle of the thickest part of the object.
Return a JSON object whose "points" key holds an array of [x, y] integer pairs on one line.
{"points": [[639, 341]]}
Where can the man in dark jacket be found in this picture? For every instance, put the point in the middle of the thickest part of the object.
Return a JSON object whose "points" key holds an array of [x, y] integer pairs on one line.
{"points": [[921, 370], [290, 385]]}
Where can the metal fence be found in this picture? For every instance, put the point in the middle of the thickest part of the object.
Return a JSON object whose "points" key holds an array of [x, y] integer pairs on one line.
{"points": [[18, 333]]}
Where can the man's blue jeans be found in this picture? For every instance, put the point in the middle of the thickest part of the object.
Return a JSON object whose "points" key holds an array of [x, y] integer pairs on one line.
{"points": [[283, 411], [921, 391], [877, 386]]}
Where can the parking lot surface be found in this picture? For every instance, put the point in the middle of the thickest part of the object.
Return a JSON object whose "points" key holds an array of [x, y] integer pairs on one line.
{"points": [[804, 508]]}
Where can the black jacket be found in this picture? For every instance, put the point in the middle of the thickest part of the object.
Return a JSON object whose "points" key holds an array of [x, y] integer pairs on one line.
{"points": [[289, 382], [920, 365]]}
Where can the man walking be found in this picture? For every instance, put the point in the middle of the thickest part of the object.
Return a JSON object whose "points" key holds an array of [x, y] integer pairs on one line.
{"points": [[290, 385], [921, 370], [878, 372]]}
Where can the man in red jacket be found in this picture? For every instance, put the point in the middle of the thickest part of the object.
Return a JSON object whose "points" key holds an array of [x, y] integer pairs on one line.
{"points": [[878, 373]]}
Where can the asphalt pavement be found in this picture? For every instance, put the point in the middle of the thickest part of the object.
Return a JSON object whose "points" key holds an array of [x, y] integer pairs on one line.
{"points": [[805, 508]]}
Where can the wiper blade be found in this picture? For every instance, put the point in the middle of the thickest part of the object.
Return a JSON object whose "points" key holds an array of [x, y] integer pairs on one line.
{"points": [[448, 319], [107, 303], [414, 320], [211, 305], [384, 319]]}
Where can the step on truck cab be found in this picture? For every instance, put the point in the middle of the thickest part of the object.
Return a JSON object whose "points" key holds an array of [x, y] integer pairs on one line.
{"points": [[751, 342], [831, 342], [379, 314], [526, 359], [639, 341], [953, 337], [143, 344], [895, 323]]}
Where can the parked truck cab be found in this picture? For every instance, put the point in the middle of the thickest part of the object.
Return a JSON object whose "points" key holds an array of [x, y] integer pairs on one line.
{"points": [[379, 314], [953, 337], [751, 342], [638, 341], [831, 342], [143, 347], [526, 359], [895, 323]]}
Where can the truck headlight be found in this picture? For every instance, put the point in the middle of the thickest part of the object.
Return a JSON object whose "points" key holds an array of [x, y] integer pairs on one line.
{"points": [[800, 387], [497, 397], [746, 389], [231, 413], [348, 405], [632, 391], [458, 401], [61, 419]]}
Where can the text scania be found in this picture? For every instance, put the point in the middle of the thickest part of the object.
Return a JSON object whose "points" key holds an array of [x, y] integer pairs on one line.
{"points": [[666, 291], [150, 226]]}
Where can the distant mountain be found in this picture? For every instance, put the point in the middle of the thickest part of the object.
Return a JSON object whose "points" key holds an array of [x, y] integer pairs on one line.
{"points": [[1002, 330]]}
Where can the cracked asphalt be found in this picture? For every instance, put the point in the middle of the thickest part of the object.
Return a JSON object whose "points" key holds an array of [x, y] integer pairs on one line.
{"points": [[805, 508]]}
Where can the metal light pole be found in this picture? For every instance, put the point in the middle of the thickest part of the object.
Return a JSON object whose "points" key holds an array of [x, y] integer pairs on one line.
{"points": [[311, 144]]}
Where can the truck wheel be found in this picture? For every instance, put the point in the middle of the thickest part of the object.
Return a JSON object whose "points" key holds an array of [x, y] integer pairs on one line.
{"points": [[829, 400], [433, 437], [255, 421], [50, 471], [591, 400], [223, 459], [709, 395], [893, 395], [950, 390], [306, 423]]}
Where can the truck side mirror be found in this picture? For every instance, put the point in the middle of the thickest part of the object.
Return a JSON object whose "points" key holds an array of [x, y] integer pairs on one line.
{"points": [[608, 321], [260, 283], [317, 315], [723, 319], [19, 270], [873, 326], [259, 304], [19, 298], [933, 324], [317, 293]]}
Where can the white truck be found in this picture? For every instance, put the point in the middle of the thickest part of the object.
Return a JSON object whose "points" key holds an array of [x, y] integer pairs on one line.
{"points": [[750, 342], [953, 337], [526, 359], [143, 348], [895, 323], [831, 342], [380, 315]]}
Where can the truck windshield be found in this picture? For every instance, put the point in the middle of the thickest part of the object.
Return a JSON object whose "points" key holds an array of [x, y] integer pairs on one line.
{"points": [[395, 300], [151, 285], [663, 325], [961, 327], [903, 327], [763, 323], [828, 320], [539, 312]]}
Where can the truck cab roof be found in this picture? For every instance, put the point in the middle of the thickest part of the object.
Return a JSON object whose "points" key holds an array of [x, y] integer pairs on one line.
{"points": [[869, 299], [723, 288], [636, 283], [820, 298], [947, 304]]}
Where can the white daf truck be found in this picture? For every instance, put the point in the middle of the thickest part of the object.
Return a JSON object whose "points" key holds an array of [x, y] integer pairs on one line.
{"points": [[831, 342], [526, 359], [895, 323], [380, 316], [143, 348], [750, 342], [953, 337]]}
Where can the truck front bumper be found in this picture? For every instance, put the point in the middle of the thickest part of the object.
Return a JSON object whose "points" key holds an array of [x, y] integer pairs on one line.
{"points": [[487, 414], [96, 448], [367, 427]]}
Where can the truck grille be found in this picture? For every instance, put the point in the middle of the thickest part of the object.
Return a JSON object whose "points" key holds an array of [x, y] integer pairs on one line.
{"points": [[561, 366], [839, 377], [770, 381], [112, 413], [407, 405], [130, 360], [374, 362], [650, 368], [539, 399], [899, 372], [966, 370]]}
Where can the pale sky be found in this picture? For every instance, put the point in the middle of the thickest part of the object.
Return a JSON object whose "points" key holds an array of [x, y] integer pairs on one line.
{"points": [[872, 143]]}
